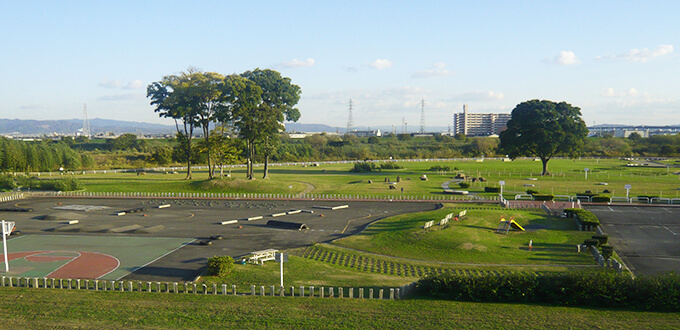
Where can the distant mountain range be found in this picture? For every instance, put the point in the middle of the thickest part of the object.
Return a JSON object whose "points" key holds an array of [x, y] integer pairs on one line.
{"points": [[71, 126], [21, 127]]}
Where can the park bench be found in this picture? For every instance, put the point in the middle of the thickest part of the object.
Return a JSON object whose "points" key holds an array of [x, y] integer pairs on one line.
{"points": [[259, 257]]}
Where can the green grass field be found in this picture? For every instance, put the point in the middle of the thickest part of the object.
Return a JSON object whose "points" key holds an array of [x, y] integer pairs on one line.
{"points": [[567, 178], [391, 252], [60, 309], [396, 251], [474, 239]]}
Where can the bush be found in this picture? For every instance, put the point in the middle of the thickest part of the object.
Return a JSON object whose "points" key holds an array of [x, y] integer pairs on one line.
{"points": [[607, 251], [220, 266], [601, 199], [544, 197], [439, 168], [532, 191], [591, 242], [601, 289], [585, 218], [464, 185], [7, 182], [492, 189], [390, 166], [65, 184], [363, 167], [602, 238]]}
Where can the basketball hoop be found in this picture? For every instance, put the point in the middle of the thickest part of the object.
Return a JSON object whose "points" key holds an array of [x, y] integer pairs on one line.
{"points": [[7, 228]]}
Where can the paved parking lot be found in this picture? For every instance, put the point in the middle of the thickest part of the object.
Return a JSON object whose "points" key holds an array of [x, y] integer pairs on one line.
{"points": [[646, 237], [199, 219]]}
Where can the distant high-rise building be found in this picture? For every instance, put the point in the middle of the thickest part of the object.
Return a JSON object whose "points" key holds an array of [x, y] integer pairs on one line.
{"points": [[479, 124]]}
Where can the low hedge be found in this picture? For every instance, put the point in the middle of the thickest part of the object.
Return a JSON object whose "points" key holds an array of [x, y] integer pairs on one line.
{"points": [[492, 189], [604, 239], [601, 199], [543, 197], [601, 289], [586, 218]]}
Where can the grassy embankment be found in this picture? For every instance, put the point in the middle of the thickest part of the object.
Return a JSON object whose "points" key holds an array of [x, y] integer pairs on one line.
{"points": [[50, 309]]}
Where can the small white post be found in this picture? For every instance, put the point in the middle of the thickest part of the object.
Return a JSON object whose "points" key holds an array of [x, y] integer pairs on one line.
{"points": [[4, 246]]}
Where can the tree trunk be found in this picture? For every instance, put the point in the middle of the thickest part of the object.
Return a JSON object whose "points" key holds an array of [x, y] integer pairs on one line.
{"points": [[545, 166], [206, 136], [266, 167], [251, 155]]}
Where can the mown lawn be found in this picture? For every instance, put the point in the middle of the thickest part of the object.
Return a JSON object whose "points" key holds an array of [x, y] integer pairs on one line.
{"points": [[474, 239], [58, 309], [567, 178]]}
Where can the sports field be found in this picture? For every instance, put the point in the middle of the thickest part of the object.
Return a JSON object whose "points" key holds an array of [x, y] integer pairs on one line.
{"points": [[93, 257]]}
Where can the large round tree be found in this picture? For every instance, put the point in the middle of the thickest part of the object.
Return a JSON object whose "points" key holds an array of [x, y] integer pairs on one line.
{"points": [[544, 129]]}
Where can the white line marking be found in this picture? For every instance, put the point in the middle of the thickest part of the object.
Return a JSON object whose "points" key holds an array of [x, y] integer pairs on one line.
{"points": [[610, 208], [152, 261], [672, 232]]}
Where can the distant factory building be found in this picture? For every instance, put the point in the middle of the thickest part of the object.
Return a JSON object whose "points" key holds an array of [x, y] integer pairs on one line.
{"points": [[368, 133], [479, 124], [624, 133]]}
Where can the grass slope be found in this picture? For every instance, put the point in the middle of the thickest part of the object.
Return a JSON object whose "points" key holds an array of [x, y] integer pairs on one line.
{"points": [[50, 309]]}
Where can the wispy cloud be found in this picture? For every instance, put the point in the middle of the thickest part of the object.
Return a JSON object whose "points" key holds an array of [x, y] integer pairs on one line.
{"points": [[564, 58], [437, 70], [381, 64], [641, 55], [295, 63], [135, 84], [631, 92], [480, 96], [109, 83], [120, 97]]}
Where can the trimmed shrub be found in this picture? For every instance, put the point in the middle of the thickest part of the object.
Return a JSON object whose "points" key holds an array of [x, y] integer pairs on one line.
{"points": [[492, 189], [607, 251], [585, 218], [602, 238], [220, 266], [532, 191], [601, 289], [464, 185], [544, 197], [601, 199], [438, 168], [591, 242]]}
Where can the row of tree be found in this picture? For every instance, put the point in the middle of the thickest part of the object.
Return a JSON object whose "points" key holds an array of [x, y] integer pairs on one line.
{"points": [[250, 106], [18, 156]]}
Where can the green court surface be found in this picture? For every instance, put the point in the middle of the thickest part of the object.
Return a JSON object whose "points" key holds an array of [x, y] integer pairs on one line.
{"points": [[102, 257]]}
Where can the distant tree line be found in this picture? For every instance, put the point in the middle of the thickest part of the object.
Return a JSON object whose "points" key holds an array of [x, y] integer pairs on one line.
{"points": [[43, 156]]}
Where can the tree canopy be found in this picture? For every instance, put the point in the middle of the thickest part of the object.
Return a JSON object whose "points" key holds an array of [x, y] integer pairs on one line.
{"points": [[255, 103], [544, 129]]}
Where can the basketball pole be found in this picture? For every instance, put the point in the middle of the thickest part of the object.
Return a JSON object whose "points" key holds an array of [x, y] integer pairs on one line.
{"points": [[4, 246]]}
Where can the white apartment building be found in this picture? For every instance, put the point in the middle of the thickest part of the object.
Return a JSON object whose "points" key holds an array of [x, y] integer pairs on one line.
{"points": [[479, 124]]}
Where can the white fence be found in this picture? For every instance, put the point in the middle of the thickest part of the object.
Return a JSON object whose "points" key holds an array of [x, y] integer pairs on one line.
{"points": [[194, 288]]}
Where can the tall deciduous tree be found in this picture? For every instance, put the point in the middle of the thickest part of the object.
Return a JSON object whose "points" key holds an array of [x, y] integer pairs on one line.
{"points": [[279, 97], [243, 97], [544, 129], [173, 98]]}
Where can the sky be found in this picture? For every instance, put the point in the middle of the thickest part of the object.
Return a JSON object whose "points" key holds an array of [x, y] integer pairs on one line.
{"points": [[616, 60]]}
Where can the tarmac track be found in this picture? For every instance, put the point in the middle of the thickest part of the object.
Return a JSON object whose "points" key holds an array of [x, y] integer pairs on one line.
{"points": [[200, 219], [647, 238]]}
